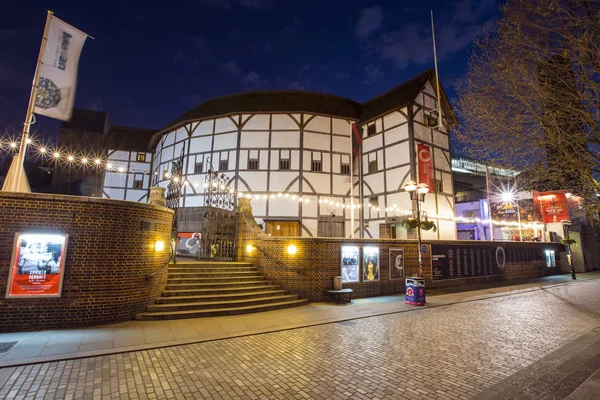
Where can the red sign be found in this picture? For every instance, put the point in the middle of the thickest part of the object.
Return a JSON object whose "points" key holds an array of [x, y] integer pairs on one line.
{"points": [[425, 160], [37, 265], [553, 205]]}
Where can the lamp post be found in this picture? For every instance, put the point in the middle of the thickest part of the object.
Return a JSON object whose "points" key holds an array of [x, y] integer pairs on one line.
{"points": [[417, 192], [566, 225]]}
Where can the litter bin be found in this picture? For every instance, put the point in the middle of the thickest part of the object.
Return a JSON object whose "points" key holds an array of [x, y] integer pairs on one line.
{"points": [[415, 291], [337, 283]]}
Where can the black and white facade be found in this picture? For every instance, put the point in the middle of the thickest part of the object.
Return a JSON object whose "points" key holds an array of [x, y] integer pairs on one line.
{"points": [[282, 146]]}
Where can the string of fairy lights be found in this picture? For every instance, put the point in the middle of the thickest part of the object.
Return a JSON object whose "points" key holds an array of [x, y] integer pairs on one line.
{"points": [[57, 155]]}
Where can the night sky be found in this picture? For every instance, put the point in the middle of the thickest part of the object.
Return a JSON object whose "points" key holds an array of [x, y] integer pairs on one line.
{"points": [[152, 61]]}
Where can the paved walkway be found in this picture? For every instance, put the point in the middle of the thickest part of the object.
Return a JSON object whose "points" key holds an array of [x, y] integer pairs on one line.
{"points": [[447, 349]]}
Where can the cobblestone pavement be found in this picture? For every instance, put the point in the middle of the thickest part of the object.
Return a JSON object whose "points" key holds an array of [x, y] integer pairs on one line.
{"points": [[448, 352]]}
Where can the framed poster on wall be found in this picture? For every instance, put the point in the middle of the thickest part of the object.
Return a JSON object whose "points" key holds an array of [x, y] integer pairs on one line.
{"points": [[370, 264], [349, 264], [396, 264], [37, 265]]}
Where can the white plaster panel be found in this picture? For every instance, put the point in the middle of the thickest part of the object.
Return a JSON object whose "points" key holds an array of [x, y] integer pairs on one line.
{"points": [[194, 201], [283, 208], [335, 163], [135, 194], [117, 194], [326, 162], [447, 230], [306, 161], [397, 154], [258, 122], [225, 141], [447, 182], [441, 162], [283, 121], [259, 207], [311, 225], [316, 141], [394, 177], [119, 156], [423, 133], [341, 127], [295, 159], [169, 139], [430, 103], [285, 139], [375, 181], [114, 179], [374, 228], [318, 181], [372, 143], [380, 164], [378, 125], [139, 166], [205, 128], [341, 185], [440, 139], [310, 209], [225, 124], [274, 160], [257, 181], [243, 159], [281, 179], [341, 144], [396, 134], [445, 206], [263, 160], [318, 124], [253, 154], [392, 119], [200, 144], [253, 139], [177, 149], [181, 134]]}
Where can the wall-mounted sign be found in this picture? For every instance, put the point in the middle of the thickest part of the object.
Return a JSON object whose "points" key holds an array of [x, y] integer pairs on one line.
{"points": [[396, 264], [456, 261], [370, 264], [349, 264], [37, 265]]}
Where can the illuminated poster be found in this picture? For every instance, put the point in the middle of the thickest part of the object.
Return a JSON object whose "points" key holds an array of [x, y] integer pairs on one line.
{"points": [[396, 264], [553, 205], [37, 265], [370, 264], [189, 244], [350, 264]]}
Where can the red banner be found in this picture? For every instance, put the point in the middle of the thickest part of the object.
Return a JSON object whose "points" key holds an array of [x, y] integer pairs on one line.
{"points": [[553, 205], [425, 160], [37, 265]]}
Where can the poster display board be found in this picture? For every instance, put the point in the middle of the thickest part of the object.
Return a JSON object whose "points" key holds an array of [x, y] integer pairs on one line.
{"points": [[189, 243], [396, 264], [37, 265], [349, 263], [456, 261], [370, 264]]}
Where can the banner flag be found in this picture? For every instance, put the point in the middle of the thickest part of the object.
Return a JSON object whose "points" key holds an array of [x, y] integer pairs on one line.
{"points": [[356, 138], [58, 72], [425, 161]]}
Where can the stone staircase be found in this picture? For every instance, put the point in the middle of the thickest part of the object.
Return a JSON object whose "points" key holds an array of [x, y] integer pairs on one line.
{"points": [[207, 289]]}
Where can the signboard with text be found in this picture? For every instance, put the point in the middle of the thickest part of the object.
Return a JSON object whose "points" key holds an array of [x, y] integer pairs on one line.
{"points": [[37, 265], [456, 261]]}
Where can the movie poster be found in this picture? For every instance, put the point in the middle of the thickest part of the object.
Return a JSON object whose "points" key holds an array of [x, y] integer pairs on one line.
{"points": [[396, 264], [370, 264], [349, 264], [37, 265]]}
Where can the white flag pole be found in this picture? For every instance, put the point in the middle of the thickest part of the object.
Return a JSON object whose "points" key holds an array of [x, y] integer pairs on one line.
{"points": [[351, 182], [18, 174], [437, 77]]}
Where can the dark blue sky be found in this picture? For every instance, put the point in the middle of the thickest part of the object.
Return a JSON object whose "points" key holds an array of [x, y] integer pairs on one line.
{"points": [[151, 60]]}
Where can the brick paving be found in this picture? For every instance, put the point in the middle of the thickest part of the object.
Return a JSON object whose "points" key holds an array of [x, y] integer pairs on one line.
{"points": [[449, 352]]}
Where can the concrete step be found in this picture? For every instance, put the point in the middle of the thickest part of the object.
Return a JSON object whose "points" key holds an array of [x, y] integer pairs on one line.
{"points": [[179, 269], [206, 274], [220, 290], [237, 295], [203, 305], [215, 279], [215, 285], [210, 264], [152, 316]]}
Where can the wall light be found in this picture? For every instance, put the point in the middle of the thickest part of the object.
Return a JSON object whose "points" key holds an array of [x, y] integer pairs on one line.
{"points": [[292, 250], [249, 249], [159, 245]]}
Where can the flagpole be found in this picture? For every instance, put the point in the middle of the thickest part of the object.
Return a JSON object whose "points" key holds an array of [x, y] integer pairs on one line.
{"points": [[487, 184], [29, 115], [351, 185], [437, 77]]}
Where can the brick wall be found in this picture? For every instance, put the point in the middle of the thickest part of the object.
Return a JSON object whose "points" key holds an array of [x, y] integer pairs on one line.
{"points": [[108, 259], [311, 270]]}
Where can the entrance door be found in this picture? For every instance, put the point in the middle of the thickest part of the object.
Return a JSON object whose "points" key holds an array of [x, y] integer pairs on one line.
{"points": [[283, 228]]}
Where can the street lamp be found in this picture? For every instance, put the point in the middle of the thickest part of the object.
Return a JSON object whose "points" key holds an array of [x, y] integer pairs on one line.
{"points": [[417, 192], [566, 225]]}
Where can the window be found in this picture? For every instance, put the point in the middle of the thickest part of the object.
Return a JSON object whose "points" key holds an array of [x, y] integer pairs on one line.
{"points": [[374, 201], [316, 166], [431, 121], [371, 130], [253, 164], [198, 168], [137, 184], [284, 165], [372, 167], [345, 169], [141, 157], [224, 165]]}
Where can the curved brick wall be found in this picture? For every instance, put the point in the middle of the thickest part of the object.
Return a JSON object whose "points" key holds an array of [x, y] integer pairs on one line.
{"points": [[109, 256]]}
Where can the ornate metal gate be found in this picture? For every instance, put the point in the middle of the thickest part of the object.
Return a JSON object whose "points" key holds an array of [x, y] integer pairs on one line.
{"points": [[219, 222]]}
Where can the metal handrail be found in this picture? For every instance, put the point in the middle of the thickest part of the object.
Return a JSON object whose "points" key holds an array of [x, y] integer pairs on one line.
{"points": [[171, 258]]}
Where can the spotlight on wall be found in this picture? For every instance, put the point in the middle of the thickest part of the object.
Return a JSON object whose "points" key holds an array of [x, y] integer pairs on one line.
{"points": [[159, 245], [249, 249], [292, 249]]}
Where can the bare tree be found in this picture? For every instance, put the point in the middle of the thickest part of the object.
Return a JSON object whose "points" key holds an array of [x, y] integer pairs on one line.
{"points": [[531, 97]]}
